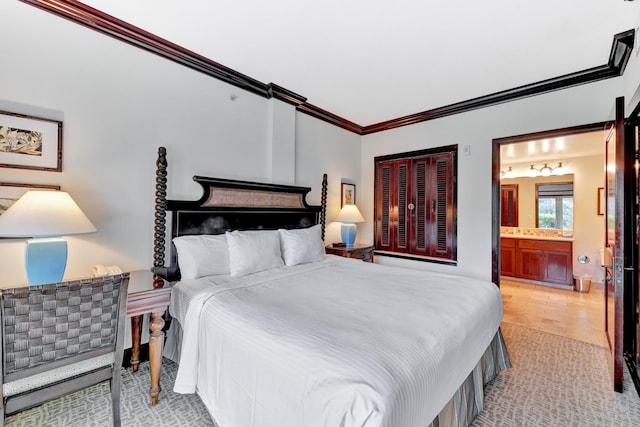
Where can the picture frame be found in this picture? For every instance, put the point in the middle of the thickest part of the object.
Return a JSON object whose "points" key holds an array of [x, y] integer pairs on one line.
{"points": [[10, 192], [601, 201], [348, 192], [28, 142]]}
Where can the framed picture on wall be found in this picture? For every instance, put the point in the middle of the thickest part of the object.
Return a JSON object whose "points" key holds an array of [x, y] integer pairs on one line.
{"points": [[601, 200], [10, 192], [348, 194], [28, 142]]}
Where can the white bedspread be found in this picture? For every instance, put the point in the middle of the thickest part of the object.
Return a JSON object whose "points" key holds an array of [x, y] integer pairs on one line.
{"points": [[334, 343]]}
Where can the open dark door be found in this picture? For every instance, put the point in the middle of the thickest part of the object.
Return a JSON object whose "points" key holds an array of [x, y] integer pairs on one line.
{"points": [[632, 290], [619, 261]]}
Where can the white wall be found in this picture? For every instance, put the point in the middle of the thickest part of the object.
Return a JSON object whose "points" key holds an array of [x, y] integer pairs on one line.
{"points": [[118, 104], [574, 106], [324, 148], [589, 226]]}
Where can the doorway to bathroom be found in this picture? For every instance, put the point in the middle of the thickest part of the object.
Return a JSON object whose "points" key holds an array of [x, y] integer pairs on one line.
{"points": [[550, 187]]}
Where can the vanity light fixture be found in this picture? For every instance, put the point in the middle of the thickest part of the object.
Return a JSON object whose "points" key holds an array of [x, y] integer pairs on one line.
{"points": [[506, 174], [545, 170]]}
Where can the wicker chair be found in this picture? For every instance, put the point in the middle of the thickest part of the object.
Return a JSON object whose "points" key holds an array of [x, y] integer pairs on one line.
{"points": [[60, 338]]}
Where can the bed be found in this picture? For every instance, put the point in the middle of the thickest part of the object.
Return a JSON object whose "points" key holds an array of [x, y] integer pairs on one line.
{"points": [[314, 339]]}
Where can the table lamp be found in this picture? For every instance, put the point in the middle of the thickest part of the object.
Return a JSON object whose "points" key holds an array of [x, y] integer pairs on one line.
{"points": [[44, 216], [349, 215]]}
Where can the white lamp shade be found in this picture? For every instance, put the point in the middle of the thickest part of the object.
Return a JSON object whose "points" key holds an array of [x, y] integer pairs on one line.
{"points": [[350, 214], [44, 214]]}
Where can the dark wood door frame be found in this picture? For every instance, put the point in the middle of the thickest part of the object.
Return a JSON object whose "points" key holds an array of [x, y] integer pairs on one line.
{"points": [[495, 181]]}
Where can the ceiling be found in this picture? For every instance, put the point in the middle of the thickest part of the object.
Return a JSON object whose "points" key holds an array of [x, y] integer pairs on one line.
{"points": [[372, 61]]}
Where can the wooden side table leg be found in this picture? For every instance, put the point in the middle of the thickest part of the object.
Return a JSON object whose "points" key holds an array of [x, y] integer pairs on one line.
{"points": [[136, 333], [156, 344]]}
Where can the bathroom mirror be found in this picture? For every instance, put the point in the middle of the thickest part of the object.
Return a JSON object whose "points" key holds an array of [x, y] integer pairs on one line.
{"points": [[542, 201]]}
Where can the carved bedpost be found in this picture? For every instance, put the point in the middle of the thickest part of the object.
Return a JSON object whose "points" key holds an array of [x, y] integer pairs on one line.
{"points": [[159, 232], [323, 202]]}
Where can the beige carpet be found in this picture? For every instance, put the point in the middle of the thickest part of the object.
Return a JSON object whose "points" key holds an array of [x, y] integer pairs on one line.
{"points": [[554, 381], [92, 406]]}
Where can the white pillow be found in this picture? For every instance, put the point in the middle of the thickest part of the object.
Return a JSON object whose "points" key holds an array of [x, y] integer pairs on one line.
{"points": [[202, 255], [301, 246], [253, 251]]}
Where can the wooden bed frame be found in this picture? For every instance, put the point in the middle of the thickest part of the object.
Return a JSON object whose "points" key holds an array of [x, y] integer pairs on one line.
{"points": [[227, 205]]}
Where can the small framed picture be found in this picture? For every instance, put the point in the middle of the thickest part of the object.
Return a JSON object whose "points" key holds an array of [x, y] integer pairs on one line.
{"points": [[601, 200], [28, 142], [348, 194], [10, 192]]}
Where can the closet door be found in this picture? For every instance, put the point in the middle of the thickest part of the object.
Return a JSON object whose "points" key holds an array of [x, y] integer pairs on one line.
{"points": [[441, 226], [403, 206], [392, 207], [421, 212]]}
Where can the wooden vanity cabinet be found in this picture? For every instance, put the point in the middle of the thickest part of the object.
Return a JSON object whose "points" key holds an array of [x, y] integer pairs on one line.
{"points": [[557, 267], [548, 261], [529, 262], [507, 257]]}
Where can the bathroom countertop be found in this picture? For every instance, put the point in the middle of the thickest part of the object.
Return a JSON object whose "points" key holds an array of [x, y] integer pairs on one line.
{"points": [[534, 237]]}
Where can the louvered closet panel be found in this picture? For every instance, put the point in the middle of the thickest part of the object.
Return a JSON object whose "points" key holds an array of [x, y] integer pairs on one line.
{"points": [[403, 191], [384, 204], [443, 207], [422, 211]]}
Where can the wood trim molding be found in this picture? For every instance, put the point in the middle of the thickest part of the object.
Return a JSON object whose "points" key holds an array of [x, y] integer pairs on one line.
{"points": [[94, 19], [326, 116], [572, 130]]}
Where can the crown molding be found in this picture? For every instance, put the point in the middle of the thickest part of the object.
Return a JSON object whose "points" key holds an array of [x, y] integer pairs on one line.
{"points": [[97, 20]]}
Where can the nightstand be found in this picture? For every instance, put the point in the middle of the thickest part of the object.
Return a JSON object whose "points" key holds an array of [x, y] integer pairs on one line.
{"points": [[358, 251], [144, 298]]}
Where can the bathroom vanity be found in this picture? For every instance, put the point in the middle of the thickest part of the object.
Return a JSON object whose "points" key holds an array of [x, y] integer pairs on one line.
{"points": [[547, 259]]}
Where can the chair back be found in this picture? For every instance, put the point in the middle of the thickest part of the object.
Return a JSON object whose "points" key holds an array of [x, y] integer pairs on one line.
{"points": [[48, 327]]}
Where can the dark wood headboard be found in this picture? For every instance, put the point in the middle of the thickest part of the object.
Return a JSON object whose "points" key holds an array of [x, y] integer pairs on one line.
{"points": [[227, 205]]}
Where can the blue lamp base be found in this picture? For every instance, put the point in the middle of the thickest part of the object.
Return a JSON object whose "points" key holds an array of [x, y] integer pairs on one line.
{"points": [[348, 234], [46, 260]]}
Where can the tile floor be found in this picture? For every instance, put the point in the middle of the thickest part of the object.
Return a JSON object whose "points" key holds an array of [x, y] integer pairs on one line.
{"points": [[563, 312]]}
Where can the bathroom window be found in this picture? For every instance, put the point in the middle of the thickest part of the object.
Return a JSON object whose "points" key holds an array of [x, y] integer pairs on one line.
{"points": [[554, 205]]}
